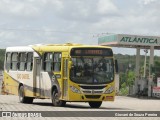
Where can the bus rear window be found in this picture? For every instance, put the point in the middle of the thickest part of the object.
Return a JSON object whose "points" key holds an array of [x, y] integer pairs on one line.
{"points": [[8, 61], [14, 61]]}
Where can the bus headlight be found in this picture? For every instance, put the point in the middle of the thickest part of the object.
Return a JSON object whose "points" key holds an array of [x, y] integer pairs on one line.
{"points": [[109, 90], [74, 89]]}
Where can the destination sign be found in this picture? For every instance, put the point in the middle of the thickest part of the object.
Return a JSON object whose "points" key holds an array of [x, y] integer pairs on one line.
{"points": [[91, 52]]}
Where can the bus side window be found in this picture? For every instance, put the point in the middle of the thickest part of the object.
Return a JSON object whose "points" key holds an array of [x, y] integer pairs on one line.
{"points": [[47, 62], [22, 61], [57, 61], [8, 61], [29, 61], [14, 61]]}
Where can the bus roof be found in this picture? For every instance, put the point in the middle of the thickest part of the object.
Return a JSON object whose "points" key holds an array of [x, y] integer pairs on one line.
{"points": [[49, 47], [63, 47], [19, 49]]}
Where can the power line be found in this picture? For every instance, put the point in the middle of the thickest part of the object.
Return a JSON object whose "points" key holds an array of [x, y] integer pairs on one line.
{"points": [[94, 35], [39, 30]]}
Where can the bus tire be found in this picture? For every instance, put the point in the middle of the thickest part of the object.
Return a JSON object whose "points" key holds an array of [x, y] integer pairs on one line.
{"points": [[29, 100], [56, 101], [94, 104], [22, 97]]}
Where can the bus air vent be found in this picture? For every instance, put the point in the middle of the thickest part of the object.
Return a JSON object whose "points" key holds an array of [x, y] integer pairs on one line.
{"points": [[92, 87], [93, 96]]}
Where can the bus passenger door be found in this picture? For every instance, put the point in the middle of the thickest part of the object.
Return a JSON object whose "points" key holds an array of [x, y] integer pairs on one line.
{"points": [[36, 84], [65, 78]]}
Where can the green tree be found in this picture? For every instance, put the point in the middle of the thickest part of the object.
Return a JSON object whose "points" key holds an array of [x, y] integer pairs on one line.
{"points": [[124, 89], [126, 80], [122, 78], [2, 56], [130, 78]]}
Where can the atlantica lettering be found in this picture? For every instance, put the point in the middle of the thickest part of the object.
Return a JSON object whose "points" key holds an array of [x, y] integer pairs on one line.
{"points": [[139, 40]]}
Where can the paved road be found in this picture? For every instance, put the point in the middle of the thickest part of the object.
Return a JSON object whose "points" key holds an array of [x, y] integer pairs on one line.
{"points": [[10, 103]]}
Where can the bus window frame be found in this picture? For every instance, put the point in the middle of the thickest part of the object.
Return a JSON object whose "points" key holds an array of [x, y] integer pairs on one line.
{"points": [[8, 63], [11, 67], [55, 62], [31, 62], [25, 61], [45, 61]]}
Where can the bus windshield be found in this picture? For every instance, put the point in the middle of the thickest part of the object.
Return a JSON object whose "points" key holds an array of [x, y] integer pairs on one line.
{"points": [[92, 70]]}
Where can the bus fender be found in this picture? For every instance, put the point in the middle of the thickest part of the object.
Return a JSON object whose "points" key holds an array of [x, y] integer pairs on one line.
{"points": [[55, 85]]}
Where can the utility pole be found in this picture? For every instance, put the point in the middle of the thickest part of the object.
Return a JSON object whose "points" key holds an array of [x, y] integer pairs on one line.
{"points": [[144, 74]]}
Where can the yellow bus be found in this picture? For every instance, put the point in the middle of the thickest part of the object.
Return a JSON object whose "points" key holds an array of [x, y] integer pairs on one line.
{"points": [[60, 72]]}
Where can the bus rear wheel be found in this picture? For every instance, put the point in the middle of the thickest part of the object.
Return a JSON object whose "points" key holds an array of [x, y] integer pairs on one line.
{"points": [[56, 101], [22, 97], [94, 104]]}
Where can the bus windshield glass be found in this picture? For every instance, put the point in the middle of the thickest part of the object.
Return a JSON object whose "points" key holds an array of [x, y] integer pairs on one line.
{"points": [[92, 70]]}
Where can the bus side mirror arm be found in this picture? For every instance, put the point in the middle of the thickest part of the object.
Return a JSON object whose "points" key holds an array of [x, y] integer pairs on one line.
{"points": [[69, 64], [116, 66]]}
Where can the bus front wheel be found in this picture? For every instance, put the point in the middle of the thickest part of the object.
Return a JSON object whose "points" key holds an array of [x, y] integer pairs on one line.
{"points": [[22, 97], [94, 104], [55, 99]]}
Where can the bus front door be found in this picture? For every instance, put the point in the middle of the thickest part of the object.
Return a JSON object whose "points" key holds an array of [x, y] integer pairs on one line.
{"points": [[65, 78], [36, 82]]}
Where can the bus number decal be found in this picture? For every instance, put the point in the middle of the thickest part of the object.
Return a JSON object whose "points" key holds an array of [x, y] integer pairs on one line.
{"points": [[22, 76]]}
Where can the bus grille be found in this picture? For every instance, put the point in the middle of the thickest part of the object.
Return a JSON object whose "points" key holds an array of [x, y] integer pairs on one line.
{"points": [[87, 91], [93, 92], [93, 96], [92, 87]]}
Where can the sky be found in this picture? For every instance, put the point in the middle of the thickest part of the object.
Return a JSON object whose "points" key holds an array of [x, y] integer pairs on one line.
{"points": [[27, 22]]}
